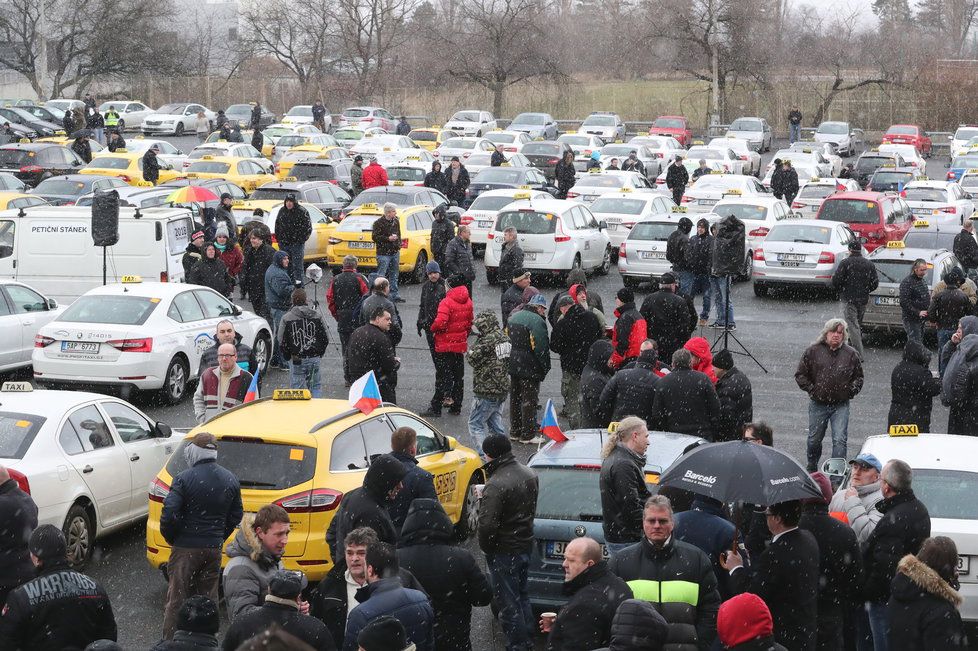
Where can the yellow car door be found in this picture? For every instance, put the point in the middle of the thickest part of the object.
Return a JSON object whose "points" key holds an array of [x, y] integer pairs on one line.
{"points": [[319, 239], [447, 466]]}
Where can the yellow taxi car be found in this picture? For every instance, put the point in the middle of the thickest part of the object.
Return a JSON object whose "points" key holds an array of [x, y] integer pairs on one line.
{"points": [[15, 200], [305, 455], [430, 137], [242, 171], [283, 168], [128, 167], [352, 236], [65, 141], [317, 246]]}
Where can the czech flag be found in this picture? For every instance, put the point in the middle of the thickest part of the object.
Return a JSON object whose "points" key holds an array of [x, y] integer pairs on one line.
{"points": [[252, 393], [549, 426], [365, 393], [840, 187]]}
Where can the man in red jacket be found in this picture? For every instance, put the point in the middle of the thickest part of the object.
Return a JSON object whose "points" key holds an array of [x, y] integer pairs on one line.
{"points": [[374, 175], [630, 330], [451, 330]]}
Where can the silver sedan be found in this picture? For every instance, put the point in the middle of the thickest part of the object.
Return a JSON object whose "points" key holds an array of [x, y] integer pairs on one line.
{"points": [[800, 252]]}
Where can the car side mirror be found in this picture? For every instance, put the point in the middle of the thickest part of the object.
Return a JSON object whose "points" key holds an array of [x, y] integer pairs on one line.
{"points": [[235, 310], [162, 430], [602, 225], [835, 467], [52, 304], [452, 443]]}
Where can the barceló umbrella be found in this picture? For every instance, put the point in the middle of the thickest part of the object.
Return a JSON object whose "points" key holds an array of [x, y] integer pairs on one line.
{"points": [[741, 471], [191, 194]]}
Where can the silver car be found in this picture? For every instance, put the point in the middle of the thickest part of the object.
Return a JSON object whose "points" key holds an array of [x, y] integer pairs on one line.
{"points": [[893, 262], [642, 256], [755, 131], [800, 252]]}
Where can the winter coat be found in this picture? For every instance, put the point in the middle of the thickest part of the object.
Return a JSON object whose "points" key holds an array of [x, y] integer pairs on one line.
{"points": [[960, 376], [257, 140], [529, 356], [278, 283], [786, 578], [839, 561], [778, 182], [509, 301], [431, 297], [376, 299], [208, 404], [651, 573], [458, 259], [211, 272], [387, 597], [249, 569], [191, 256], [449, 573], [637, 626], [968, 287], [912, 388], [367, 506], [453, 322], [678, 242], [830, 376], [489, 358], [700, 348], [628, 334], [345, 292], [115, 144], [302, 333], [676, 176], [455, 190], [18, 518], [436, 181], [736, 405], [381, 232], [669, 319], [508, 506], [855, 278], [187, 641], [151, 167], [286, 615], [948, 308], [356, 179], [594, 378], [860, 509], [374, 176], [565, 175], [923, 610], [442, 232], [902, 529], [319, 113], [965, 249], [246, 356], [631, 391], [418, 483], [623, 495], [704, 527], [914, 298], [84, 151], [371, 349], [202, 508], [699, 254], [510, 262], [233, 259], [572, 338], [58, 609], [636, 165], [293, 227], [225, 214], [685, 402], [789, 183], [584, 622]]}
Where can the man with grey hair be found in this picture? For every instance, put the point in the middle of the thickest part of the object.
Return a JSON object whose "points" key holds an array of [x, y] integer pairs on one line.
{"points": [[458, 258], [386, 235], [380, 297], [702, 170], [831, 373], [904, 527], [662, 570], [622, 484]]}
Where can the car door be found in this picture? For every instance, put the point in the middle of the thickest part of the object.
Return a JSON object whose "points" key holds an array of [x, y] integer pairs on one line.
{"points": [[100, 461], [319, 239], [435, 456], [217, 308], [146, 451], [187, 317], [32, 313], [11, 341]]}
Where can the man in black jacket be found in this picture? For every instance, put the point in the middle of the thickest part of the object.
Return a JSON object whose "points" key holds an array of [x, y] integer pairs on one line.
{"points": [[571, 338], [677, 178], [255, 122], [497, 158], [789, 182], [785, 577], [904, 527], [116, 142], [736, 398], [442, 232], [258, 257], [594, 378], [433, 291], [458, 257], [346, 290], [59, 608], [303, 338], [565, 174], [510, 260], [418, 483], [914, 300], [18, 517], [855, 278], [513, 295], [705, 527], [584, 622], [198, 623], [699, 257], [371, 349], [631, 391], [368, 505], [151, 166], [506, 513], [319, 116], [946, 310], [965, 248], [669, 317], [386, 234], [448, 573], [456, 181], [676, 247], [292, 228], [685, 400], [435, 179], [226, 335], [622, 484]]}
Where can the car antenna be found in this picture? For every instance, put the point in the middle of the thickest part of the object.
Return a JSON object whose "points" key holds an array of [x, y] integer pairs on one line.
{"points": [[21, 213], [137, 214]]}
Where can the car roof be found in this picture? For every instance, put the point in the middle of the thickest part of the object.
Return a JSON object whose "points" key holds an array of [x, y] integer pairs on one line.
{"points": [[927, 226], [293, 185], [906, 253], [678, 117], [30, 146], [762, 199], [230, 160], [44, 402], [583, 448], [932, 451], [552, 205], [929, 183], [643, 196], [861, 195], [141, 289]]}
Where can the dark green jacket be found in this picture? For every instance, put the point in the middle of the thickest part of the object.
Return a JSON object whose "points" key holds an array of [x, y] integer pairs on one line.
{"points": [[488, 357]]}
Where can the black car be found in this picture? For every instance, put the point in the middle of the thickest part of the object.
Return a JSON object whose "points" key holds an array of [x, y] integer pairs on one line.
{"points": [[16, 115], [241, 113], [408, 196], [867, 164], [545, 155], [323, 169], [892, 179], [328, 197], [499, 178], [66, 190], [32, 162], [42, 113]]}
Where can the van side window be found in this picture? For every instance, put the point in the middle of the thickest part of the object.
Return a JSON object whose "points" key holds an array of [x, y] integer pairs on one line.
{"points": [[6, 238]]}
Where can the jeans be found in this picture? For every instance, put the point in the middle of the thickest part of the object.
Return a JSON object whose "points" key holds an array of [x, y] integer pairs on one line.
{"points": [[685, 282], [99, 135], [819, 417], [853, 313], [509, 576], [701, 285], [295, 251], [191, 571], [943, 336], [615, 548], [879, 623], [915, 330], [794, 132], [523, 397], [388, 266], [486, 415], [202, 136], [570, 391], [719, 287], [305, 375], [277, 359], [439, 395]]}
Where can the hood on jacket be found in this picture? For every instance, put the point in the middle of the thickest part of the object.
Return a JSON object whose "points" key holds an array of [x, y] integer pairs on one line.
{"points": [[486, 322], [203, 252], [598, 356], [575, 290], [426, 522], [576, 277], [743, 618], [916, 353], [458, 294], [969, 326], [246, 541], [436, 169], [306, 311], [648, 357], [279, 257], [922, 579], [685, 224], [637, 626], [237, 339], [385, 472], [701, 348], [704, 223]]}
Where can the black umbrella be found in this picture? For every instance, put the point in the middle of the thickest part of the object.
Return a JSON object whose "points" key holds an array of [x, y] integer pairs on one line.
{"points": [[88, 133], [740, 471]]}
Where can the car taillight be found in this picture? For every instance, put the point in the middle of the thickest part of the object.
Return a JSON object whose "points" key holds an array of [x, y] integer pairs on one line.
{"points": [[435, 154], [21, 480], [659, 181], [949, 210], [490, 236], [158, 491], [826, 257], [553, 161], [760, 232], [466, 154], [797, 204], [627, 224], [559, 235], [144, 345], [40, 341], [316, 500], [572, 195], [621, 250], [951, 176], [277, 168], [743, 157], [30, 169], [509, 148], [686, 199], [164, 277], [466, 220], [366, 119], [404, 243], [658, 155], [759, 254], [334, 182], [125, 178]]}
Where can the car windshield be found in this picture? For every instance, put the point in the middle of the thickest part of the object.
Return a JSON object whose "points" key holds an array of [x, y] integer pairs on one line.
{"points": [[652, 231], [872, 163], [851, 211], [527, 222], [491, 202], [115, 310], [742, 211], [833, 128], [965, 133], [893, 271], [669, 123], [598, 181], [238, 109], [300, 111], [818, 191], [356, 113], [18, 158], [598, 121], [890, 180], [109, 163], [459, 143], [580, 141], [405, 174], [465, 116], [357, 224], [731, 143], [62, 187], [618, 150], [499, 175], [209, 167], [970, 181], [502, 138], [697, 153], [568, 494], [534, 119], [800, 233], [925, 194], [618, 206], [313, 172], [292, 141], [745, 125], [348, 134], [274, 132], [172, 109], [541, 149], [258, 464], [930, 240], [17, 432], [381, 196], [422, 136], [898, 130], [965, 161]]}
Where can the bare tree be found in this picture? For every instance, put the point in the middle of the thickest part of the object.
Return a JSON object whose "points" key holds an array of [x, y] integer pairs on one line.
{"points": [[951, 20]]}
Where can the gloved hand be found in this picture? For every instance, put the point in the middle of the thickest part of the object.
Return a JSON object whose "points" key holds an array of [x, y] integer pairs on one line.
{"points": [[420, 330]]}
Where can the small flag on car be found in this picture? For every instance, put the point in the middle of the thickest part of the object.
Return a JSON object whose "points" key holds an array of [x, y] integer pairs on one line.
{"points": [[365, 393], [252, 393], [549, 425]]}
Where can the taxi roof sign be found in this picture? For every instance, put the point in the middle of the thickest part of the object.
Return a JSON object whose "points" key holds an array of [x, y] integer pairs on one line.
{"points": [[626, 189], [680, 209], [291, 394], [896, 244], [16, 387], [904, 430], [131, 279], [921, 223], [521, 195]]}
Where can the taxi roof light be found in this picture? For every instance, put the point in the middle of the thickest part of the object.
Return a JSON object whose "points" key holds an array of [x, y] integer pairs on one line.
{"points": [[16, 387], [896, 244], [129, 280], [904, 430], [291, 394]]}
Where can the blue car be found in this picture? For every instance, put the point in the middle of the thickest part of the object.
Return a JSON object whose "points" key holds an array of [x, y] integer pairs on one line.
{"points": [[569, 503], [960, 165]]}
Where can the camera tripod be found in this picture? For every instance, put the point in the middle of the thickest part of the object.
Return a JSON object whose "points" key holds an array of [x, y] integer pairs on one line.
{"points": [[726, 335]]}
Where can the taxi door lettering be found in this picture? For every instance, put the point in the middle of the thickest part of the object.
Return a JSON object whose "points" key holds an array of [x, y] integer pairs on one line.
{"points": [[445, 486]]}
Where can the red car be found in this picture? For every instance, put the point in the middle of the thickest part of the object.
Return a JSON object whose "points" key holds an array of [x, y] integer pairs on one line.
{"points": [[673, 125], [909, 134], [880, 217]]}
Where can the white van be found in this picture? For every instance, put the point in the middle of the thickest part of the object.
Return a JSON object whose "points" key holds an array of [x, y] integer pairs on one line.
{"points": [[51, 249]]}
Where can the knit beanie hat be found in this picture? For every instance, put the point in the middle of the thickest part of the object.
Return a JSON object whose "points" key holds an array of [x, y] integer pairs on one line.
{"points": [[384, 633], [199, 614]]}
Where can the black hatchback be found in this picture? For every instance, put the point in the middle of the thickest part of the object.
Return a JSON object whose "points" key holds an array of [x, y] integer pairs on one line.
{"points": [[32, 162], [66, 190]]}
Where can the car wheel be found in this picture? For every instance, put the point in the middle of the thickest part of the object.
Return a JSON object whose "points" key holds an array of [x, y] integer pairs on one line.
{"points": [[175, 381], [748, 268], [262, 351], [760, 289], [79, 536], [468, 521], [178, 131], [121, 126], [605, 263], [418, 275]]}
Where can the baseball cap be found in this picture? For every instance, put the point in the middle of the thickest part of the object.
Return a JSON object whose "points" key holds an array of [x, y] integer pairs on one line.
{"points": [[538, 299], [869, 460]]}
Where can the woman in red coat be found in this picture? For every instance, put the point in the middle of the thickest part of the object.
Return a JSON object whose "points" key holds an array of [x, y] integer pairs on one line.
{"points": [[229, 251], [703, 361], [451, 330]]}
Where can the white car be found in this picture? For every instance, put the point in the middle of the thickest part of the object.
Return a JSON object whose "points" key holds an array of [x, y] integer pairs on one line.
{"points": [[816, 190], [175, 119], [732, 164], [621, 151], [597, 183], [365, 117], [556, 236], [350, 136], [299, 114], [481, 214], [231, 150], [479, 161], [471, 123], [86, 459], [715, 167], [703, 195], [827, 150], [665, 148], [131, 113], [276, 131], [960, 139], [462, 147], [756, 131], [374, 145], [287, 142], [512, 141], [909, 153], [743, 150], [407, 173], [803, 157], [582, 145], [622, 210], [605, 125], [939, 201], [800, 252], [144, 336], [642, 255], [23, 311], [164, 150], [759, 214], [841, 135], [408, 156]]}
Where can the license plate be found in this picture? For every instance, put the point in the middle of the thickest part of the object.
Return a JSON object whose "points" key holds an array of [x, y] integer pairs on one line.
{"points": [[79, 347], [652, 255], [887, 300], [922, 211], [529, 256], [369, 261], [486, 224], [707, 202], [790, 264], [964, 565], [361, 245], [791, 257], [590, 197], [555, 549]]}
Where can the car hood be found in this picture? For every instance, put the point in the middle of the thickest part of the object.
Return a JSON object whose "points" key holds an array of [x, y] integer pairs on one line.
{"points": [[456, 124]]}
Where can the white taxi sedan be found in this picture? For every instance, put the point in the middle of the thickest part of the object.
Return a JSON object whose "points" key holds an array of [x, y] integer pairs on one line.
{"points": [[462, 147], [596, 183], [743, 150], [759, 214], [711, 188], [481, 213], [23, 311], [86, 459], [385, 143], [144, 336], [622, 210], [816, 190], [941, 202]]}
